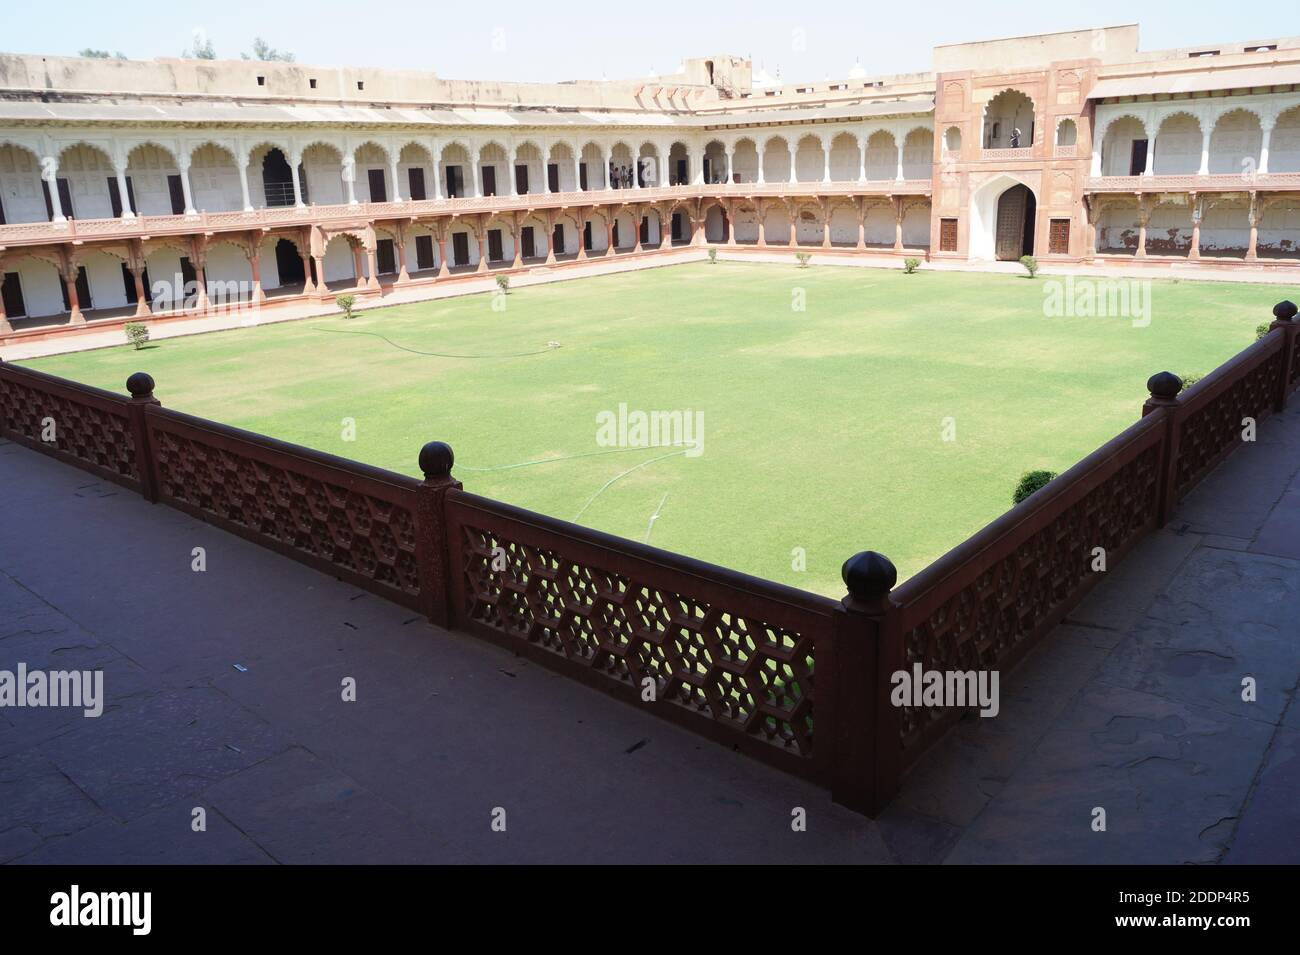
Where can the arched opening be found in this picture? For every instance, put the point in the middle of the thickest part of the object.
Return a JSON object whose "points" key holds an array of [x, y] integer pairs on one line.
{"points": [[1178, 146], [20, 200], [277, 179], [776, 160], [882, 156], [1235, 143], [809, 160], [1067, 133], [952, 141], [1284, 150], [320, 175], [745, 159], [1009, 121], [679, 171], [154, 181], [288, 264], [1124, 148], [1003, 214], [918, 154]]}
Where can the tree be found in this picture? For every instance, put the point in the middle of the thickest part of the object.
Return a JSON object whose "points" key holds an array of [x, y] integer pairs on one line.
{"points": [[201, 49], [266, 53], [90, 54]]}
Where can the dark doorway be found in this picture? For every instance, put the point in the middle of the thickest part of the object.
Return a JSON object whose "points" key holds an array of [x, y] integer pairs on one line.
{"points": [[115, 196], [385, 257], [557, 238], [423, 252], [526, 244], [677, 227], [289, 263], [645, 229], [415, 182], [3, 221], [708, 177], [460, 248], [11, 292], [616, 233], [1015, 224], [84, 301], [495, 252], [681, 171], [277, 179], [553, 177], [582, 176], [188, 293], [455, 182], [177, 193], [1137, 163], [128, 283], [378, 188], [489, 180], [65, 199], [586, 236], [521, 180]]}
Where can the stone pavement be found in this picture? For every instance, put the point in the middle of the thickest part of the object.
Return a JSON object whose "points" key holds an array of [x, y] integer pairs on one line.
{"points": [[1133, 705]]}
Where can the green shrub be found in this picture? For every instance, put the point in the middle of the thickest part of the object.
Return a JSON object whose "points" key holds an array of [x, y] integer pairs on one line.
{"points": [[1261, 330], [1189, 380], [1030, 263], [503, 283], [911, 265], [137, 334], [713, 256], [346, 302], [804, 258], [1030, 482]]}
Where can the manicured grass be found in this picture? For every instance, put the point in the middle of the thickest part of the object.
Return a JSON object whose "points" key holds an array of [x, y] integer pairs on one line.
{"points": [[822, 428]]}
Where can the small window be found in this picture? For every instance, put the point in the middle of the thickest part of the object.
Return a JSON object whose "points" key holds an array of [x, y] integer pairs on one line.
{"points": [[312, 82], [361, 84], [1204, 53], [1263, 49], [261, 81]]}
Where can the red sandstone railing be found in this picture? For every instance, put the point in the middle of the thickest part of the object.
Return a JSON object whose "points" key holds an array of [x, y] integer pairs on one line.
{"points": [[798, 680], [1231, 182], [74, 230]]}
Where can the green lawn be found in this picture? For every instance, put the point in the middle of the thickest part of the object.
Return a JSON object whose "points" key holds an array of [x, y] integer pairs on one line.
{"points": [[822, 428]]}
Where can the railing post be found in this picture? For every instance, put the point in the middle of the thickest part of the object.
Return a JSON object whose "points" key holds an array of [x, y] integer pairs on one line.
{"points": [[432, 548], [867, 649], [1284, 318], [1164, 388], [140, 385]]}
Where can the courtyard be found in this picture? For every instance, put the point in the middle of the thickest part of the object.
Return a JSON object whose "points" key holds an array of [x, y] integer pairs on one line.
{"points": [[829, 410]]}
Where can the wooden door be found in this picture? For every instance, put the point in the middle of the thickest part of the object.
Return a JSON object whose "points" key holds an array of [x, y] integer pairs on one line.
{"points": [[553, 177], [489, 180], [385, 257], [378, 186], [582, 176], [1058, 237], [460, 248], [1137, 163], [423, 252], [526, 243], [521, 180], [947, 235], [1011, 224], [495, 250], [11, 291], [177, 192], [557, 238], [415, 183]]}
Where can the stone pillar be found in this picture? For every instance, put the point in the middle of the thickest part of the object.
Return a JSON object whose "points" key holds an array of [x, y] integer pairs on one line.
{"points": [[1144, 215], [50, 173], [437, 179], [307, 285], [358, 268], [518, 263], [609, 161], [730, 210], [793, 152], [577, 172], [762, 173], [1263, 148], [74, 304], [1195, 251], [255, 263], [243, 186], [141, 304], [898, 225], [826, 227], [826, 162], [609, 233], [727, 152], [862, 227], [481, 233], [898, 174], [349, 180], [1151, 159], [184, 167], [862, 162], [1253, 219], [443, 268], [125, 193], [793, 215], [397, 182], [581, 224], [201, 279], [373, 268], [297, 185], [762, 225], [1204, 170], [403, 276], [1096, 159], [321, 289]]}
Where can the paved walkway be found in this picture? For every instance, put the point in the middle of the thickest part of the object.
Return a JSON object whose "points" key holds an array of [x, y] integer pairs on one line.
{"points": [[223, 693]]}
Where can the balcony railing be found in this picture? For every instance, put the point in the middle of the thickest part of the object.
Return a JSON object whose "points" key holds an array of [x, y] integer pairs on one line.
{"points": [[1230, 182], [291, 215], [1004, 153]]}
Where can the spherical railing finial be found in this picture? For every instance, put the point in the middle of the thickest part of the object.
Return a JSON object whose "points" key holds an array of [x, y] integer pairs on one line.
{"points": [[1285, 310], [1164, 384], [868, 575], [140, 385], [436, 459]]}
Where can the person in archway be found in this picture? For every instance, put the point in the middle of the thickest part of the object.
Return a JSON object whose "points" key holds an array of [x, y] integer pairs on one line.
{"points": [[1015, 138]]}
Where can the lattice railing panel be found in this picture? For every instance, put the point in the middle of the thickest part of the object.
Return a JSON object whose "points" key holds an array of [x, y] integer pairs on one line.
{"points": [[367, 536], [1209, 432], [1013, 602], [86, 430], [719, 662]]}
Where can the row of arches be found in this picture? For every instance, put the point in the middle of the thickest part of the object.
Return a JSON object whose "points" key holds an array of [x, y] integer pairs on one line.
{"points": [[1226, 226], [84, 181], [1181, 142]]}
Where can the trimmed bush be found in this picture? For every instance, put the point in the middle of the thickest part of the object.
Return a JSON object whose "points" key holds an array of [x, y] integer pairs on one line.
{"points": [[346, 302], [713, 256], [804, 258], [503, 283], [1030, 263], [137, 334], [911, 265], [1030, 482], [1261, 330]]}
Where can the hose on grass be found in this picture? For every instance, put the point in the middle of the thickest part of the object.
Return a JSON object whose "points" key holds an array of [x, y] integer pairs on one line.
{"points": [[432, 354], [563, 457], [604, 487]]}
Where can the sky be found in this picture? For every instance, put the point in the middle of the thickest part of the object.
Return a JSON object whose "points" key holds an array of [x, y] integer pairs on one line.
{"points": [[547, 42]]}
